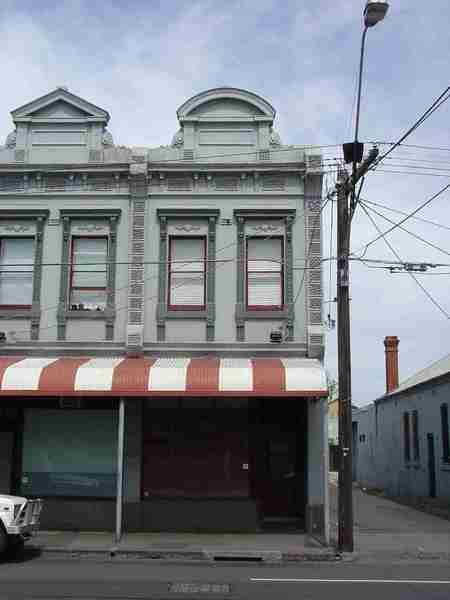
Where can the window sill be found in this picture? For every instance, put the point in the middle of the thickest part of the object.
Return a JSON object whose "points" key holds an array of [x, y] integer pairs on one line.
{"points": [[199, 315], [90, 315], [18, 313], [264, 314]]}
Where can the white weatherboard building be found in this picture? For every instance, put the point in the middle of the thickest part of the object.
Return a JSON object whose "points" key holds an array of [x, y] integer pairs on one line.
{"points": [[155, 279]]}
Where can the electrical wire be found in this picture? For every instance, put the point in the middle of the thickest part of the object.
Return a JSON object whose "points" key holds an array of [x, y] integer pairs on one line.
{"points": [[330, 292], [417, 146], [440, 100], [153, 277], [413, 173], [395, 253], [401, 212], [250, 153], [408, 216], [411, 233], [316, 221]]}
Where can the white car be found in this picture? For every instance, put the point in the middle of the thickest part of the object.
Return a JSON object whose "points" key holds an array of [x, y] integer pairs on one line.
{"points": [[19, 520]]}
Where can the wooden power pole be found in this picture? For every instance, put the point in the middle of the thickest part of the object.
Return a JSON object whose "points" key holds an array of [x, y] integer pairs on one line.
{"points": [[346, 203]]}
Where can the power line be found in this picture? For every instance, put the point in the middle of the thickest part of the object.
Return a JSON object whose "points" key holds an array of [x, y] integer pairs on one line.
{"points": [[409, 216], [422, 167], [426, 115], [418, 159], [416, 173], [414, 235], [250, 153], [331, 263], [153, 277], [401, 212], [316, 220], [395, 253], [419, 147]]}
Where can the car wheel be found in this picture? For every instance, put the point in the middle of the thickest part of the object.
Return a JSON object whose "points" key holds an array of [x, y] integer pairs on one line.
{"points": [[16, 545], [3, 540]]}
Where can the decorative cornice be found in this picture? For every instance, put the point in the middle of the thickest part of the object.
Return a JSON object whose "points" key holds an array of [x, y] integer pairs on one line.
{"points": [[257, 213], [90, 213], [188, 212], [23, 213]]}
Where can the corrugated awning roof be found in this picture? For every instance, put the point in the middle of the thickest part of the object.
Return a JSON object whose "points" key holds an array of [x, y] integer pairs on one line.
{"points": [[63, 376]]}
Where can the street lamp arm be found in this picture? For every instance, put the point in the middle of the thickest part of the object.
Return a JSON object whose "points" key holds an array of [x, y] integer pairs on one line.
{"points": [[361, 67]]}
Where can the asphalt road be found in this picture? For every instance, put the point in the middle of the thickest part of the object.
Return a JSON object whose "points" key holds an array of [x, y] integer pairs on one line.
{"points": [[89, 579]]}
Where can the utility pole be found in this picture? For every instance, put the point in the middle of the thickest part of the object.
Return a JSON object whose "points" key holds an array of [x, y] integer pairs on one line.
{"points": [[346, 203]]}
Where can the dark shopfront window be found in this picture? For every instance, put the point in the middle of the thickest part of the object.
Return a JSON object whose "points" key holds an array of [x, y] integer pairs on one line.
{"points": [[69, 453], [195, 448]]}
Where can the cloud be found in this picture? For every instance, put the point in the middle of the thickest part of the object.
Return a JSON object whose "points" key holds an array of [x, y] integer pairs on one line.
{"points": [[143, 59]]}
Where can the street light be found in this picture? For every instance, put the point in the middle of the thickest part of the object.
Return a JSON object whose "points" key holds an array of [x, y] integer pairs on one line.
{"points": [[374, 12]]}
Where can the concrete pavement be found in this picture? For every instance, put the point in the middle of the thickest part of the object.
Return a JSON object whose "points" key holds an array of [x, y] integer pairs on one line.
{"points": [[384, 531], [383, 528], [260, 547]]}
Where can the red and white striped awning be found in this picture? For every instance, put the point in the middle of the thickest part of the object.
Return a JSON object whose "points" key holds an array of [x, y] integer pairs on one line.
{"points": [[61, 376]]}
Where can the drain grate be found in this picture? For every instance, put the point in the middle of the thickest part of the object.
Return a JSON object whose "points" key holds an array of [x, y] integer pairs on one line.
{"points": [[236, 558], [200, 588]]}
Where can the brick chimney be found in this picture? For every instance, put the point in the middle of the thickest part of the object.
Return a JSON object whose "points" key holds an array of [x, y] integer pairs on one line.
{"points": [[391, 349]]}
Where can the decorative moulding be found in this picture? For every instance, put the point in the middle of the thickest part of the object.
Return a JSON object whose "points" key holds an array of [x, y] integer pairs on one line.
{"points": [[17, 229], [92, 112], [187, 228], [89, 228], [265, 109], [265, 228]]}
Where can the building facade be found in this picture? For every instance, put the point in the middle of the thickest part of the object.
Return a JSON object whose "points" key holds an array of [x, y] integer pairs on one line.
{"points": [[184, 281], [402, 439]]}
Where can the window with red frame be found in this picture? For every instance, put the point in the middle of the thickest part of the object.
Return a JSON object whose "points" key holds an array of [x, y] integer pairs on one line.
{"points": [[16, 272], [265, 273], [88, 273], [187, 273]]}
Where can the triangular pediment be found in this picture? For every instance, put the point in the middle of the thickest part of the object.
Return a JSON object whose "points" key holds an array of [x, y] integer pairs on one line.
{"points": [[60, 105], [60, 108]]}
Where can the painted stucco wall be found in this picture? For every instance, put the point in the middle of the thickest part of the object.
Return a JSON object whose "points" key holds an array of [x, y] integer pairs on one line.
{"points": [[235, 162], [318, 494], [380, 452], [77, 330]]}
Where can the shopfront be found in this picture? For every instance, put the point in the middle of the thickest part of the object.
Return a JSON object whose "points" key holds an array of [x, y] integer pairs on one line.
{"points": [[202, 458]]}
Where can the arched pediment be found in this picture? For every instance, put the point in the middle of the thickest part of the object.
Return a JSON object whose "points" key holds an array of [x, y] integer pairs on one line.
{"points": [[226, 103]]}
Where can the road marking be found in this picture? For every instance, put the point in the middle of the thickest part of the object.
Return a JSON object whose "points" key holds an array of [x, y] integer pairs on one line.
{"points": [[413, 581]]}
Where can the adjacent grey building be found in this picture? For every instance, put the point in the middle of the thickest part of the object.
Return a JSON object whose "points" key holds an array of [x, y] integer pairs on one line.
{"points": [[183, 281], [402, 439]]}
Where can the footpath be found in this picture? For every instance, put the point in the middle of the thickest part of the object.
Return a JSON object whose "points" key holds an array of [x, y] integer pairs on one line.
{"points": [[384, 532]]}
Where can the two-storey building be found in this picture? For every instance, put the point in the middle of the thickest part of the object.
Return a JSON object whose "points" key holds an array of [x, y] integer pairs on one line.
{"points": [[181, 283]]}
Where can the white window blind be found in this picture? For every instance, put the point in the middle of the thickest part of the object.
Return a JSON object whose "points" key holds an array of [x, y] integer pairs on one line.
{"points": [[187, 272], [89, 272], [16, 271], [264, 272]]}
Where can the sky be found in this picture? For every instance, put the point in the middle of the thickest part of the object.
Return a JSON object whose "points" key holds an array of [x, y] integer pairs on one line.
{"points": [[140, 60]]}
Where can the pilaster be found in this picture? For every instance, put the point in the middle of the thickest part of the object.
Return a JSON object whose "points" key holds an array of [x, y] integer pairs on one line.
{"points": [[136, 272]]}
